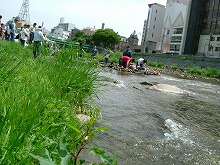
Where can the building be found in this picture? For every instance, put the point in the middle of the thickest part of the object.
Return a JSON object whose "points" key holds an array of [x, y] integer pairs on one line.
{"points": [[60, 34], [63, 30], [174, 26], [73, 33], [203, 32], [65, 26], [89, 30], [152, 30], [122, 44], [133, 39]]}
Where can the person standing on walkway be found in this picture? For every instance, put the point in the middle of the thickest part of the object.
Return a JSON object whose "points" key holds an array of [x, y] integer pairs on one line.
{"points": [[24, 36], [12, 27], [38, 39], [7, 33], [3, 31], [32, 30]]}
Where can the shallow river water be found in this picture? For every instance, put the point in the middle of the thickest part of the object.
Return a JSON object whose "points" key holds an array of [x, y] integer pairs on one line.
{"points": [[148, 126]]}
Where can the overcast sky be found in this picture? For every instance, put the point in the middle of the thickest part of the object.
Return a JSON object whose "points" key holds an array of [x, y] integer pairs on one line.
{"points": [[123, 16]]}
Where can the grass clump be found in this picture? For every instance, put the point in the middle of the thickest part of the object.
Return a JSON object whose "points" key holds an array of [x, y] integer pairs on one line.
{"points": [[156, 64], [39, 102], [210, 72], [174, 66]]}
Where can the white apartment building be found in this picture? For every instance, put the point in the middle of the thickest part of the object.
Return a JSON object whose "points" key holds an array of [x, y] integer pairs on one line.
{"points": [[152, 30], [60, 34], [174, 26], [63, 30]]}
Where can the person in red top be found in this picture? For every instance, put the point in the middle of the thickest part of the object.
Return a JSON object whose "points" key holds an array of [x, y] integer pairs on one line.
{"points": [[126, 60]]}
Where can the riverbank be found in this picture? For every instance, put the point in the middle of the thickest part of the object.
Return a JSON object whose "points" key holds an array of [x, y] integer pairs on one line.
{"points": [[168, 70], [181, 73], [182, 61]]}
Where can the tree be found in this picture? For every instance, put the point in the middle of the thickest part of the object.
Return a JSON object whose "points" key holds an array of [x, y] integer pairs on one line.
{"points": [[106, 38], [78, 36]]}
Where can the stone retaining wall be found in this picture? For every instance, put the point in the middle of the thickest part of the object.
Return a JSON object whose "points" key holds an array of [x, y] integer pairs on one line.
{"points": [[183, 61]]}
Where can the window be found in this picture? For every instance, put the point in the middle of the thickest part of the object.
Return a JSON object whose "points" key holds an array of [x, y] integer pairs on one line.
{"points": [[174, 47], [218, 38], [154, 27], [155, 19], [176, 39], [156, 11], [178, 31], [212, 39], [217, 49], [153, 35]]}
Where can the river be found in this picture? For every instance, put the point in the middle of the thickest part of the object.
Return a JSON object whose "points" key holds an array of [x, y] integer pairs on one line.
{"points": [[148, 126]]}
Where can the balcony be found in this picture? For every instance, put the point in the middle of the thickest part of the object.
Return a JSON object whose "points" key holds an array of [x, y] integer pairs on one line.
{"points": [[175, 41]]}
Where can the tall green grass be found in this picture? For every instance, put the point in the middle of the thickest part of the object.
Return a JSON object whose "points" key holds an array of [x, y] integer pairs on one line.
{"points": [[38, 102], [210, 72]]}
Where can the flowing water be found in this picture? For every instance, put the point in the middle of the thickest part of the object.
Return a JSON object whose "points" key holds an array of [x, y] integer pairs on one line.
{"points": [[148, 126]]}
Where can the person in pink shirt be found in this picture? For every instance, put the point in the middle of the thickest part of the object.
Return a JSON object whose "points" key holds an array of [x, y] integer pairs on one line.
{"points": [[126, 60]]}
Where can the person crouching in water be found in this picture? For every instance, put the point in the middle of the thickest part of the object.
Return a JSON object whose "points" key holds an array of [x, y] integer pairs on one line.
{"points": [[126, 61], [38, 39], [141, 65]]}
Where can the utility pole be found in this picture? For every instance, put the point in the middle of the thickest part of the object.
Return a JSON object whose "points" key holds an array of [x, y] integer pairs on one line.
{"points": [[24, 12]]}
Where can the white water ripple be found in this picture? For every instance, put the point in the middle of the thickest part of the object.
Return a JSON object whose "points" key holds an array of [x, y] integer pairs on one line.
{"points": [[178, 132], [120, 84]]}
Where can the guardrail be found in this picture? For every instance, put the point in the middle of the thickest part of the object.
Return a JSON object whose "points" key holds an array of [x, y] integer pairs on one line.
{"points": [[72, 44]]}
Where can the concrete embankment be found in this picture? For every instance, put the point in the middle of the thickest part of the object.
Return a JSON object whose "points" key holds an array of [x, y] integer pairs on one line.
{"points": [[182, 61]]}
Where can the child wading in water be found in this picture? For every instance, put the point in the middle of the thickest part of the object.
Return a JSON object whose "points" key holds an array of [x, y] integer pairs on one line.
{"points": [[107, 56]]}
